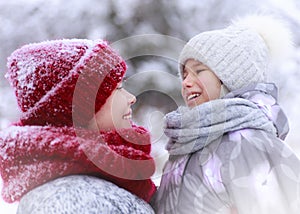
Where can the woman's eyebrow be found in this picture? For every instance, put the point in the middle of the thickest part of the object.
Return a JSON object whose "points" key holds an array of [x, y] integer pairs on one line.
{"points": [[124, 78]]}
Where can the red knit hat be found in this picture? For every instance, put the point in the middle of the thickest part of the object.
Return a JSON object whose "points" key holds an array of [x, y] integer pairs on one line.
{"points": [[45, 75]]}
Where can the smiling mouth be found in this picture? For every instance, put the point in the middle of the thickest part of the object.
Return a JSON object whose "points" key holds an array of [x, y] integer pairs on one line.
{"points": [[193, 96], [127, 116]]}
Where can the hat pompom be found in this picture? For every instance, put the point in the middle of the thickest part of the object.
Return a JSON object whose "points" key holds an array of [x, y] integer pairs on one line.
{"points": [[274, 31]]}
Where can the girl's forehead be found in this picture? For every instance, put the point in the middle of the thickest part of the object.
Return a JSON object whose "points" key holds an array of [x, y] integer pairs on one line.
{"points": [[190, 64], [193, 62]]}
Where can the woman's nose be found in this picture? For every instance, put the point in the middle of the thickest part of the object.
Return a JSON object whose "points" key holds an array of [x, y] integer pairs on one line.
{"points": [[131, 98]]}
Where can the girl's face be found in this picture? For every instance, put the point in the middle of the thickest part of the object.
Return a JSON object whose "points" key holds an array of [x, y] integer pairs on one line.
{"points": [[116, 112], [199, 84]]}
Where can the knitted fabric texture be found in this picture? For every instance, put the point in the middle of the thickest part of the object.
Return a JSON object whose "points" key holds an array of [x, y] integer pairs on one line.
{"points": [[34, 155], [45, 75], [252, 107], [238, 56], [79, 194]]}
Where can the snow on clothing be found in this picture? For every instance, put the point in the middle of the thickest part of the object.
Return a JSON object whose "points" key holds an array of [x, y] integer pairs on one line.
{"points": [[228, 153], [81, 194], [59, 86], [63, 82], [31, 156]]}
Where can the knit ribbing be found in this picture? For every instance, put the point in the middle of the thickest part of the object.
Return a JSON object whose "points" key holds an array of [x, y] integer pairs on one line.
{"points": [[238, 56]]}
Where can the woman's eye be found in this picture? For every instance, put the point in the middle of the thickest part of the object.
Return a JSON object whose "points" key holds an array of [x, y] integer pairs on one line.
{"points": [[119, 87]]}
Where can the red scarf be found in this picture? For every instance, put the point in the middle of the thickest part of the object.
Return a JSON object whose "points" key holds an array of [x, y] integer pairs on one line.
{"points": [[33, 155]]}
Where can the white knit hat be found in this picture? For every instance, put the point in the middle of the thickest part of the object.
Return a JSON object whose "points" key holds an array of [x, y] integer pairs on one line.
{"points": [[240, 54]]}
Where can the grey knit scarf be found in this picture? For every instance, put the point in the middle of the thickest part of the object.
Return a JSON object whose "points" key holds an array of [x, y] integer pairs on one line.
{"points": [[252, 107]]}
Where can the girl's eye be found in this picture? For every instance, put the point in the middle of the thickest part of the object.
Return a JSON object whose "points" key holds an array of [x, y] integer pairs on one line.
{"points": [[119, 87], [199, 71]]}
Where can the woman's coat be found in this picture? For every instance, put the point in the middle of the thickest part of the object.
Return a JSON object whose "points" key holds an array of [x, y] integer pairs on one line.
{"points": [[83, 195], [36, 163]]}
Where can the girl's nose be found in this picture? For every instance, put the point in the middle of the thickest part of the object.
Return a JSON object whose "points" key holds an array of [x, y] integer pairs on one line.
{"points": [[188, 81]]}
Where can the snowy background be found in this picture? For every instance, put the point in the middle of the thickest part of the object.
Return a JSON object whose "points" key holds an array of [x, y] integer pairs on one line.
{"points": [[129, 25]]}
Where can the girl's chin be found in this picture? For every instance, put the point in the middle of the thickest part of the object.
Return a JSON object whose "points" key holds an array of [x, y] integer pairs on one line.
{"points": [[192, 104], [196, 102]]}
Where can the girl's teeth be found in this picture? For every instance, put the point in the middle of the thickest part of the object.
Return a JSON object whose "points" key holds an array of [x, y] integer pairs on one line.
{"points": [[192, 96]]}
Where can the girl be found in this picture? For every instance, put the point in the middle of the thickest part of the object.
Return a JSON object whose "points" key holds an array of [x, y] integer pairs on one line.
{"points": [[74, 149], [227, 155]]}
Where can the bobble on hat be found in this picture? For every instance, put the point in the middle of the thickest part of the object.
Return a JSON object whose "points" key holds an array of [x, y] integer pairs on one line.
{"points": [[241, 53], [45, 75]]}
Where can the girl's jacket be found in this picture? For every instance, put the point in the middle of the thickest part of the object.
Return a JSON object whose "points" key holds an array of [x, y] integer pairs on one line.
{"points": [[227, 156]]}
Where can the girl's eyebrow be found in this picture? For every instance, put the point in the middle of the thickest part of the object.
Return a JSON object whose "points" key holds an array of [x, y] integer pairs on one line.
{"points": [[184, 70], [194, 66], [200, 67]]}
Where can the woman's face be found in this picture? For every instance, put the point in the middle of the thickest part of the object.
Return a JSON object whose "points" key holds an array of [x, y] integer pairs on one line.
{"points": [[116, 112], [199, 84]]}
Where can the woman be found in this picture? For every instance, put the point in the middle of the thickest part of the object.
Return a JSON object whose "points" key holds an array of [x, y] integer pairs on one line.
{"points": [[226, 147], [74, 149]]}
